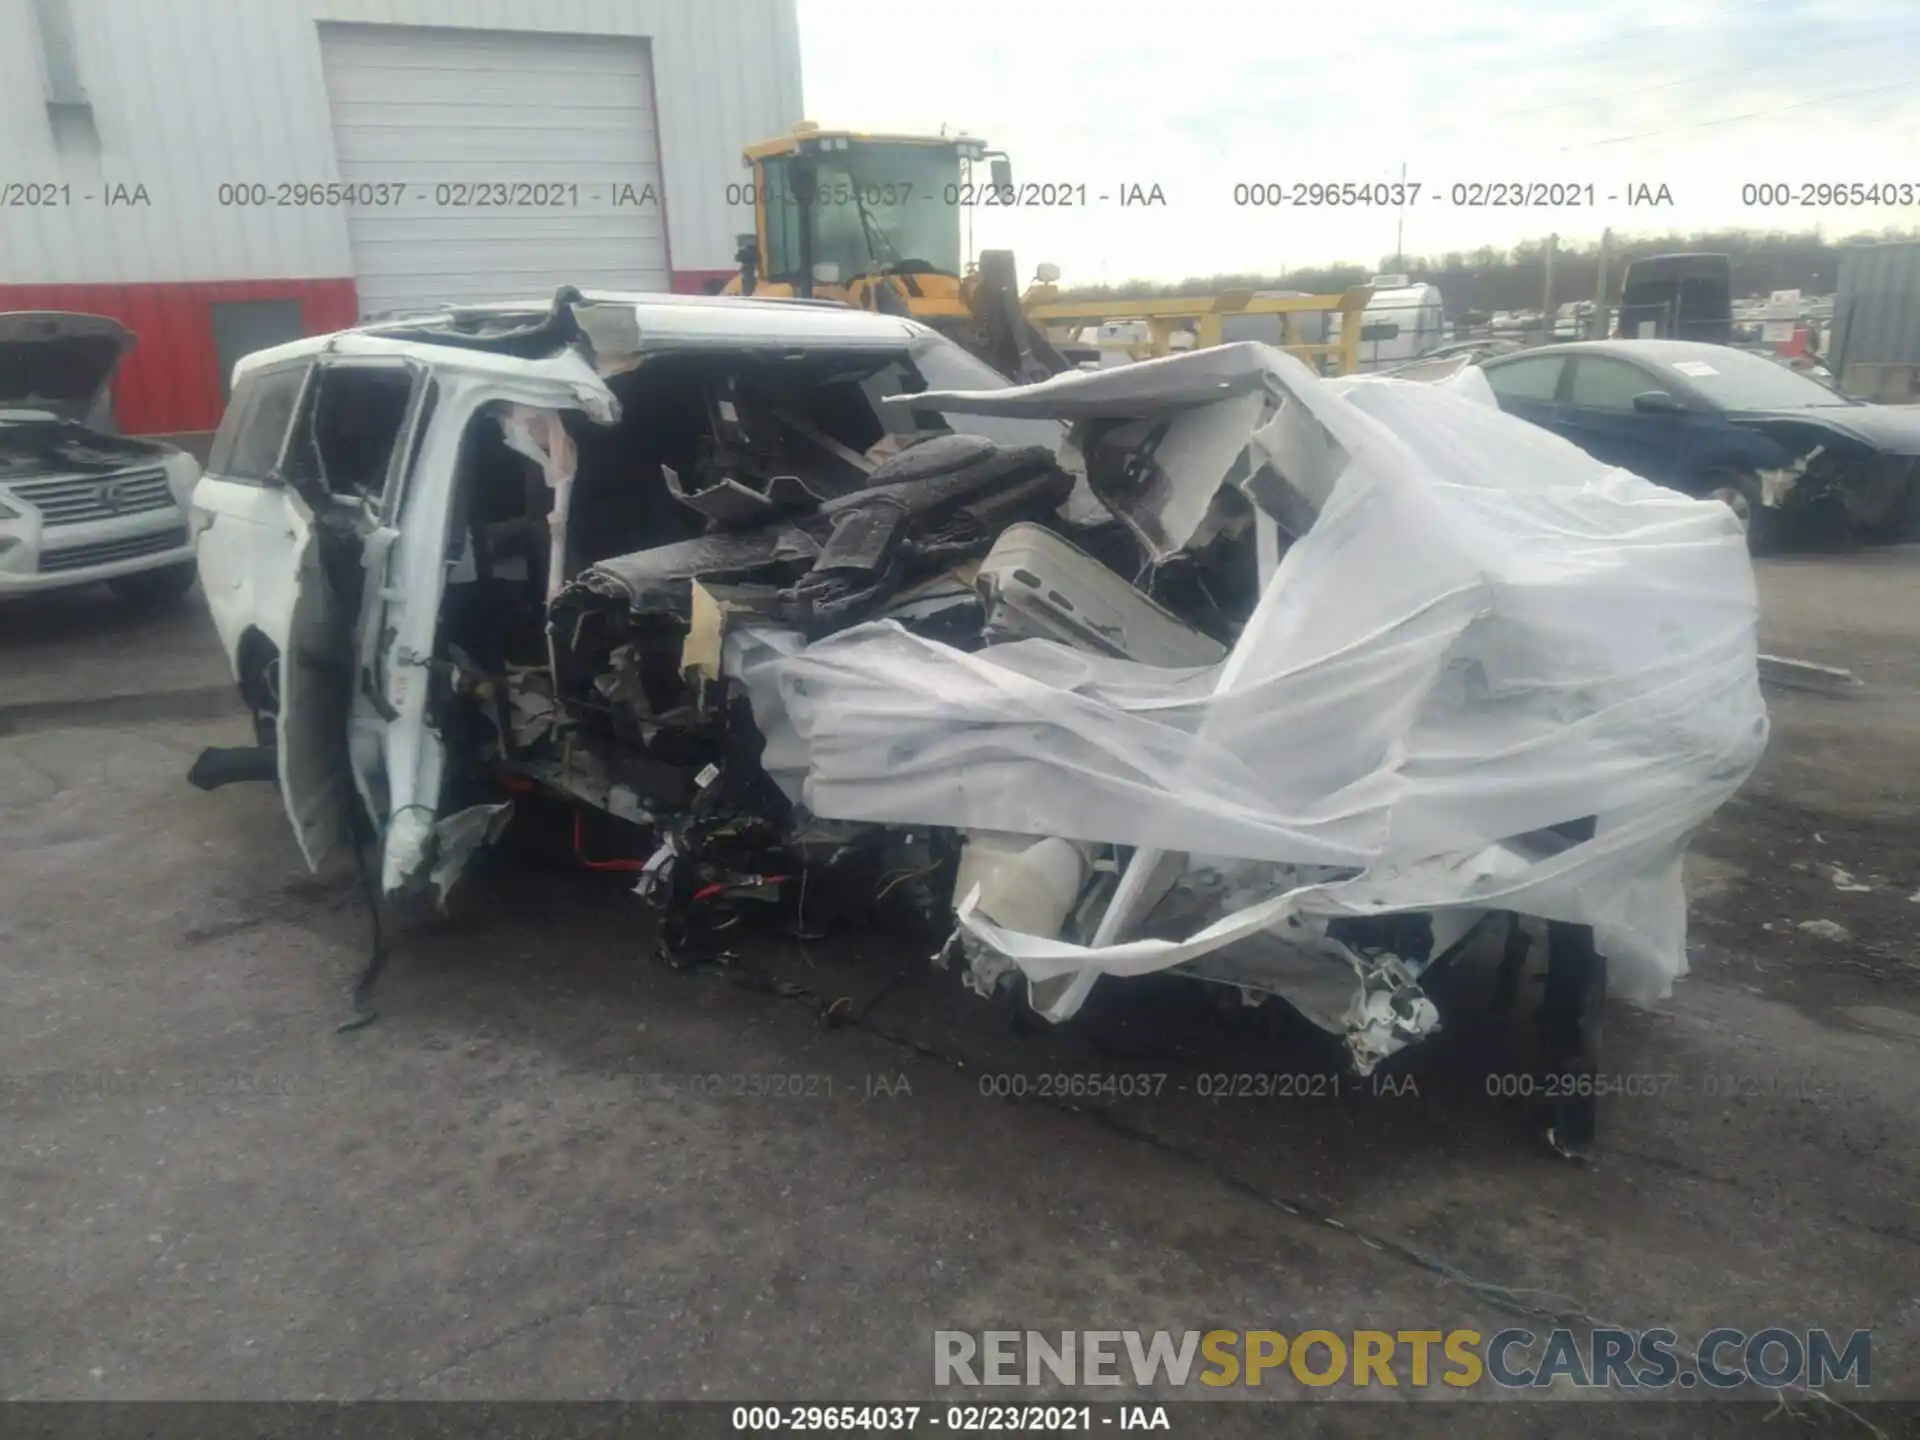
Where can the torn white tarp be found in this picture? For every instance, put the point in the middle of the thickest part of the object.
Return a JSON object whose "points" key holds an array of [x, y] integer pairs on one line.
{"points": [[1483, 634], [541, 436]]}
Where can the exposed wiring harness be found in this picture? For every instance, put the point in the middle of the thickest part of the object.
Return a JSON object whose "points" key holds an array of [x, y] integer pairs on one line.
{"points": [[622, 866]]}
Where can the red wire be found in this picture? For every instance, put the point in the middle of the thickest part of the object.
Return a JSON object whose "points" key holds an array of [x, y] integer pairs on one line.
{"points": [[628, 866], [719, 887], [706, 892], [519, 784]]}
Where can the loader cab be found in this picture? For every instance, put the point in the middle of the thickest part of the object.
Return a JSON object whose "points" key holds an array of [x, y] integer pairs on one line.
{"points": [[874, 221]]}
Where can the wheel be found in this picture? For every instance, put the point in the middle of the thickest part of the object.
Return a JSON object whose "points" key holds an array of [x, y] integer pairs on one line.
{"points": [[1739, 491], [155, 587], [1902, 518]]}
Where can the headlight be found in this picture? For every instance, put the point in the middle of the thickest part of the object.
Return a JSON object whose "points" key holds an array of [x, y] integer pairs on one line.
{"points": [[7, 512]]}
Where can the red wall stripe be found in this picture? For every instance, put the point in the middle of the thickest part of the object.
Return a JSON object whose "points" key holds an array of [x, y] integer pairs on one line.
{"points": [[170, 382]]}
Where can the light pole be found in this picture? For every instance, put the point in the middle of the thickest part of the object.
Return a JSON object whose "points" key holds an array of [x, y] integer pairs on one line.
{"points": [[1400, 223]]}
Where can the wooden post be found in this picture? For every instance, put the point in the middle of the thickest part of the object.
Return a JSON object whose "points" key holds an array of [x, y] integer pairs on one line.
{"points": [[1598, 329], [1400, 224], [1546, 299]]}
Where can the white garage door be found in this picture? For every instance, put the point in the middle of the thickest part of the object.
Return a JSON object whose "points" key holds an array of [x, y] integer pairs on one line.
{"points": [[493, 165]]}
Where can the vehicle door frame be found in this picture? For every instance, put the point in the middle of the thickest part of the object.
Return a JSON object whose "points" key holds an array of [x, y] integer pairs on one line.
{"points": [[1542, 412], [320, 752], [1650, 445], [412, 751], [247, 537], [369, 714]]}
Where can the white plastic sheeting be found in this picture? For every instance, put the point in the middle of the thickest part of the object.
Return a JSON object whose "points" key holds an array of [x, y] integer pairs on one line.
{"points": [[1484, 634]]}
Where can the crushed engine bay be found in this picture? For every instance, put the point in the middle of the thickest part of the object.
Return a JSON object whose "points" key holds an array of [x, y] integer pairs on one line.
{"points": [[1283, 683]]}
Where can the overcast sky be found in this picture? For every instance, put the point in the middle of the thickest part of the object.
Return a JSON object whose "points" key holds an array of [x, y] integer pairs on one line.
{"points": [[1200, 95]]}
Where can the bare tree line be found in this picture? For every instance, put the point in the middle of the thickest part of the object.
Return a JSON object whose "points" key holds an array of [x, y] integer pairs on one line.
{"points": [[1490, 278]]}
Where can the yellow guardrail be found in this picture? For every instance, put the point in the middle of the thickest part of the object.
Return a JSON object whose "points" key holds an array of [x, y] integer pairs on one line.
{"points": [[1202, 315]]}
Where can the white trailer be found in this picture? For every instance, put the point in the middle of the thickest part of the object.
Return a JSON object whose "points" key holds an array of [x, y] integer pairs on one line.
{"points": [[1402, 322]]}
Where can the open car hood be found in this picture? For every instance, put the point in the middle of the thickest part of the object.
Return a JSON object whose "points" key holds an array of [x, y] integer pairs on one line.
{"points": [[62, 364]]}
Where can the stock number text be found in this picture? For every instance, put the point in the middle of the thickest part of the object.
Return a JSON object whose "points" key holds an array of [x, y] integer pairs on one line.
{"points": [[1274, 193], [1811, 193]]}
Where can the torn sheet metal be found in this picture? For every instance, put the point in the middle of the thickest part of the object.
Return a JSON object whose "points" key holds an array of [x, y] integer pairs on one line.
{"points": [[531, 712], [1125, 392], [1036, 585], [541, 436], [580, 773], [1482, 635], [936, 504], [1166, 488], [457, 836], [728, 503], [613, 334]]}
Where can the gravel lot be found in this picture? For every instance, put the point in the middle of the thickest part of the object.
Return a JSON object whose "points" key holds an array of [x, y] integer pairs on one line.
{"points": [[207, 1193]]}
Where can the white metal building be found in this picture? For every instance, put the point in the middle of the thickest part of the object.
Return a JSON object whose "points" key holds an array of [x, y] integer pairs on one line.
{"points": [[223, 174]]}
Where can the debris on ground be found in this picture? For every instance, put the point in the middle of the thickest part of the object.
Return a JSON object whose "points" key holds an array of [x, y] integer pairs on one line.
{"points": [[1825, 930], [1805, 675]]}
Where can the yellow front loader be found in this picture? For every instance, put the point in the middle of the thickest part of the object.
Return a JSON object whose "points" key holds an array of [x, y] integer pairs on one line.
{"points": [[881, 222], [878, 222]]}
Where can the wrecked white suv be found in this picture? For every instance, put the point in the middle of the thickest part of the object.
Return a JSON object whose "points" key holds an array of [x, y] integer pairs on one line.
{"points": [[1201, 667], [387, 511], [80, 502]]}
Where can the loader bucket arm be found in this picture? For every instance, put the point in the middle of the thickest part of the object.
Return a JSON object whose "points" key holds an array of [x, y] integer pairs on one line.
{"points": [[1009, 341]]}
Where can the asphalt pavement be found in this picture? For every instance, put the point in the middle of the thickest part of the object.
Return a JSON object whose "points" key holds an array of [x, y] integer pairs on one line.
{"points": [[549, 1169]]}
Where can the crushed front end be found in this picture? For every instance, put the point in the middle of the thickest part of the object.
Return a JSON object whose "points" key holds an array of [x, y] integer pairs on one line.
{"points": [[1284, 685]]}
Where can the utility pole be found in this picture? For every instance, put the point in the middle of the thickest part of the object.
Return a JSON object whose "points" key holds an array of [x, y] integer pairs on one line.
{"points": [[1400, 224], [1598, 329], [1546, 298]]}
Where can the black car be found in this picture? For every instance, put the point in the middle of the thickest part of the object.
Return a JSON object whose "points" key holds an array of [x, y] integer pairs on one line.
{"points": [[1715, 421]]}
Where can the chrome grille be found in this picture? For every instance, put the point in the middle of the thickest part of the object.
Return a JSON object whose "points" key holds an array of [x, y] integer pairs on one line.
{"points": [[74, 499], [103, 552]]}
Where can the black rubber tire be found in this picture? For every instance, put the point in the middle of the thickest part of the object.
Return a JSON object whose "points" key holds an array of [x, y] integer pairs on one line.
{"points": [[1903, 524], [164, 586], [1739, 490]]}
